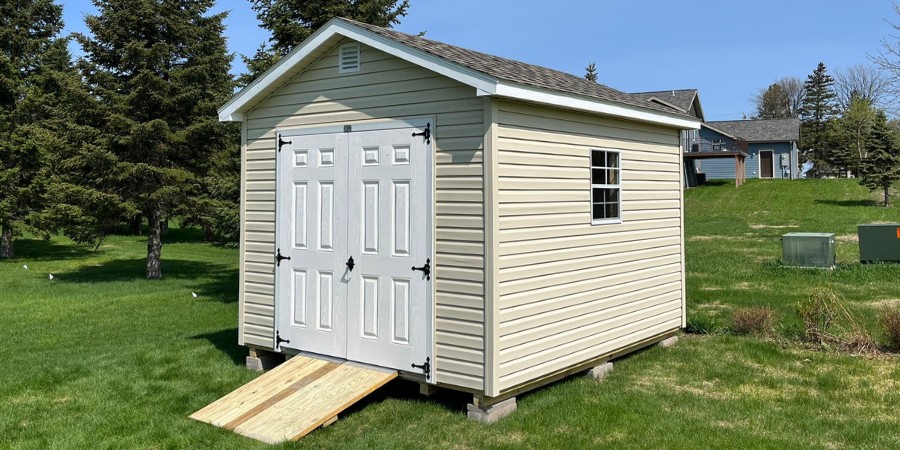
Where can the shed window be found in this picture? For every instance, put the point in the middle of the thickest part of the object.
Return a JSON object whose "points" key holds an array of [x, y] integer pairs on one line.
{"points": [[606, 187]]}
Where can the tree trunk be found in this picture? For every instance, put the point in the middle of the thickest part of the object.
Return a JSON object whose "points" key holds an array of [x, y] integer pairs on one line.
{"points": [[135, 225], [7, 247], [164, 226], [887, 196], [154, 246]]}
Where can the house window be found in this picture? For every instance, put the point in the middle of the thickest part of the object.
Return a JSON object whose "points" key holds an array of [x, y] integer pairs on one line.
{"points": [[717, 145], [606, 187]]}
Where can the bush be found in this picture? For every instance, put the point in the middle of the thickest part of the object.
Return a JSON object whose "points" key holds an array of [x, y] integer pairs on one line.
{"points": [[756, 321], [828, 322], [890, 322]]}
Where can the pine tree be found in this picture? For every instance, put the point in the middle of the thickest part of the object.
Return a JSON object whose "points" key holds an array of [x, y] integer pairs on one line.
{"points": [[32, 54], [881, 168], [160, 69], [292, 21], [817, 114], [590, 72]]}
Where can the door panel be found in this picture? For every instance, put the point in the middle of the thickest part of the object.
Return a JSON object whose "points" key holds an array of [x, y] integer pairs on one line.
{"points": [[387, 300], [364, 195], [310, 230]]}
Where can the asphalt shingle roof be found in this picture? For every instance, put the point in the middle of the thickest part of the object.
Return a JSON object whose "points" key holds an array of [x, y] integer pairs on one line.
{"points": [[516, 71], [762, 130], [681, 98]]}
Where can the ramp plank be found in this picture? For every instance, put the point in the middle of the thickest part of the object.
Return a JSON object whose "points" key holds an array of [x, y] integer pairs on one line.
{"points": [[293, 399]]}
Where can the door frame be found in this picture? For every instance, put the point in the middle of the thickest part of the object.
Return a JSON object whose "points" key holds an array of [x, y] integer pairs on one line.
{"points": [[374, 125], [759, 163]]}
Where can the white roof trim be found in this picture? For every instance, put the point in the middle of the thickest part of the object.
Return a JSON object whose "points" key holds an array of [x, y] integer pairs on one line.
{"points": [[555, 98], [484, 84]]}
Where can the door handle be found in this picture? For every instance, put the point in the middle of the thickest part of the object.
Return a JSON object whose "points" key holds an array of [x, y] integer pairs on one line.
{"points": [[351, 264], [426, 269]]}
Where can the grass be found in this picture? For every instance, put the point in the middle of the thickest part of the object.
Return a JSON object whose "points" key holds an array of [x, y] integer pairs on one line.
{"points": [[734, 250], [101, 358]]}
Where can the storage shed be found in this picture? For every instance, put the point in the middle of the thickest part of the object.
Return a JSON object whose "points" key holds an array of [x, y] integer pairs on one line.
{"points": [[470, 221]]}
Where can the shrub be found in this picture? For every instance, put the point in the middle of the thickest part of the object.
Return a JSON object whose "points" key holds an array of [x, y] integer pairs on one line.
{"points": [[756, 321], [890, 322], [828, 322], [818, 314]]}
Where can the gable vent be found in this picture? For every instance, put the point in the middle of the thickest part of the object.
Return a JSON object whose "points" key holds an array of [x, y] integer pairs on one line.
{"points": [[349, 56]]}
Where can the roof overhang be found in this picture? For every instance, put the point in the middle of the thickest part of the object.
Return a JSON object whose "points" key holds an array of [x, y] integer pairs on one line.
{"points": [[305, 53], [717, 130]]}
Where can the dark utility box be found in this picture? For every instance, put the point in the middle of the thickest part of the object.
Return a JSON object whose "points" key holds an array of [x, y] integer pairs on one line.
{"points": [[814, 250], [879, 242]]}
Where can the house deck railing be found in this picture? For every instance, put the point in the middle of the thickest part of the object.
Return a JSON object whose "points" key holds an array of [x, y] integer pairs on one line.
{"points": [[694, 145]]}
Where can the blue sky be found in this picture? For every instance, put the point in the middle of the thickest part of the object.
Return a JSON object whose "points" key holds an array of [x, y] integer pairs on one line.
{"points": [[726, 49]]}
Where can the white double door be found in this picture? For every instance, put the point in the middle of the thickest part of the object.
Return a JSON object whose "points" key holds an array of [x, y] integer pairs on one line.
{"points": [[354, 217]]}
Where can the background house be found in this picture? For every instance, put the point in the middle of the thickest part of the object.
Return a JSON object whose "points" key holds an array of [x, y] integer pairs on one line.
{"points": [[770, 145]]}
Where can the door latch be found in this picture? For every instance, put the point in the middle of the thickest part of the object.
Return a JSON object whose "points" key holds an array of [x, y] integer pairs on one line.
{"points": [[426, 269], [279, 340], [425, 367], [351, 264], [279, 257]]}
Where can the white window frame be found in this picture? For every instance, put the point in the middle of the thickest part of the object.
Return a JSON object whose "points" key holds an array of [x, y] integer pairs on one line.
{"points": [[617, 186]]}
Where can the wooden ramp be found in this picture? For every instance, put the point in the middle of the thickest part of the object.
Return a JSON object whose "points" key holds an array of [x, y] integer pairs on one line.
{"points": [[293, 399]]}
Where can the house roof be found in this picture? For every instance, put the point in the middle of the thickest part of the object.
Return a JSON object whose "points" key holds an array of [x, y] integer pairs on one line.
{"points": [[761, 130], [682, 99], [489, 75]]}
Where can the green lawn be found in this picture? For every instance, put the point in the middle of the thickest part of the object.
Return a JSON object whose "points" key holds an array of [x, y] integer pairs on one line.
{"points": [[101, 358], [734, 249]]}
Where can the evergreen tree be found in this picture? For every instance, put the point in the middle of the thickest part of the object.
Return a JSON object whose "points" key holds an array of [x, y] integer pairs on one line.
{"points": [[881, 168], [817, 115], [292, 21], [590, 72], [159, 69], [32, 55]]}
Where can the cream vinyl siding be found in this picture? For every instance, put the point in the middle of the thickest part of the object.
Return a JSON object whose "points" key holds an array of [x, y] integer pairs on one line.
{"points": [[568, 290], [385, 87]]}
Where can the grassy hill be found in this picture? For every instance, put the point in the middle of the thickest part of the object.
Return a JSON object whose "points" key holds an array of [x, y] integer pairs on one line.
{"points": [[734, 249]]}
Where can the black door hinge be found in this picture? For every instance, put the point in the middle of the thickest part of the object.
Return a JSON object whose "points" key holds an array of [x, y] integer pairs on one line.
{"points": [[279, 340], [425, 367], [281, 142], [426, 269], [426, 134], [279, 257]]}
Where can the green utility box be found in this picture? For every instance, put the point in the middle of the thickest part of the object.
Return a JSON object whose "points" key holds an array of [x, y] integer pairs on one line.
{"points": [[815, 250], [879, 242]]}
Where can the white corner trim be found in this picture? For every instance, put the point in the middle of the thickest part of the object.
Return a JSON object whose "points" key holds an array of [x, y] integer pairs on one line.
{"points": [[596, 106]]}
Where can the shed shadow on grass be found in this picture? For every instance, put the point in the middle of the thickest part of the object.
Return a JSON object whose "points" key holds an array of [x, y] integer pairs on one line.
{"points": [[850, 203], [220, 281], [226, 341]]}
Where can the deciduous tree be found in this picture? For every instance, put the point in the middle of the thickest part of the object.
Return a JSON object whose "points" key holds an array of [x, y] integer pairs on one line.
{"points": [[782, 99], [868, 83]]}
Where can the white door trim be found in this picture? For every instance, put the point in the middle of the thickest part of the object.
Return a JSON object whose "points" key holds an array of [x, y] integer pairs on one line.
{"points": [[759, 162]]}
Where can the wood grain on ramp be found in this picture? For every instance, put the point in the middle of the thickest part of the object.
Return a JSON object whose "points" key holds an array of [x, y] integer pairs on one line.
{"points": [[291, 400]]}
